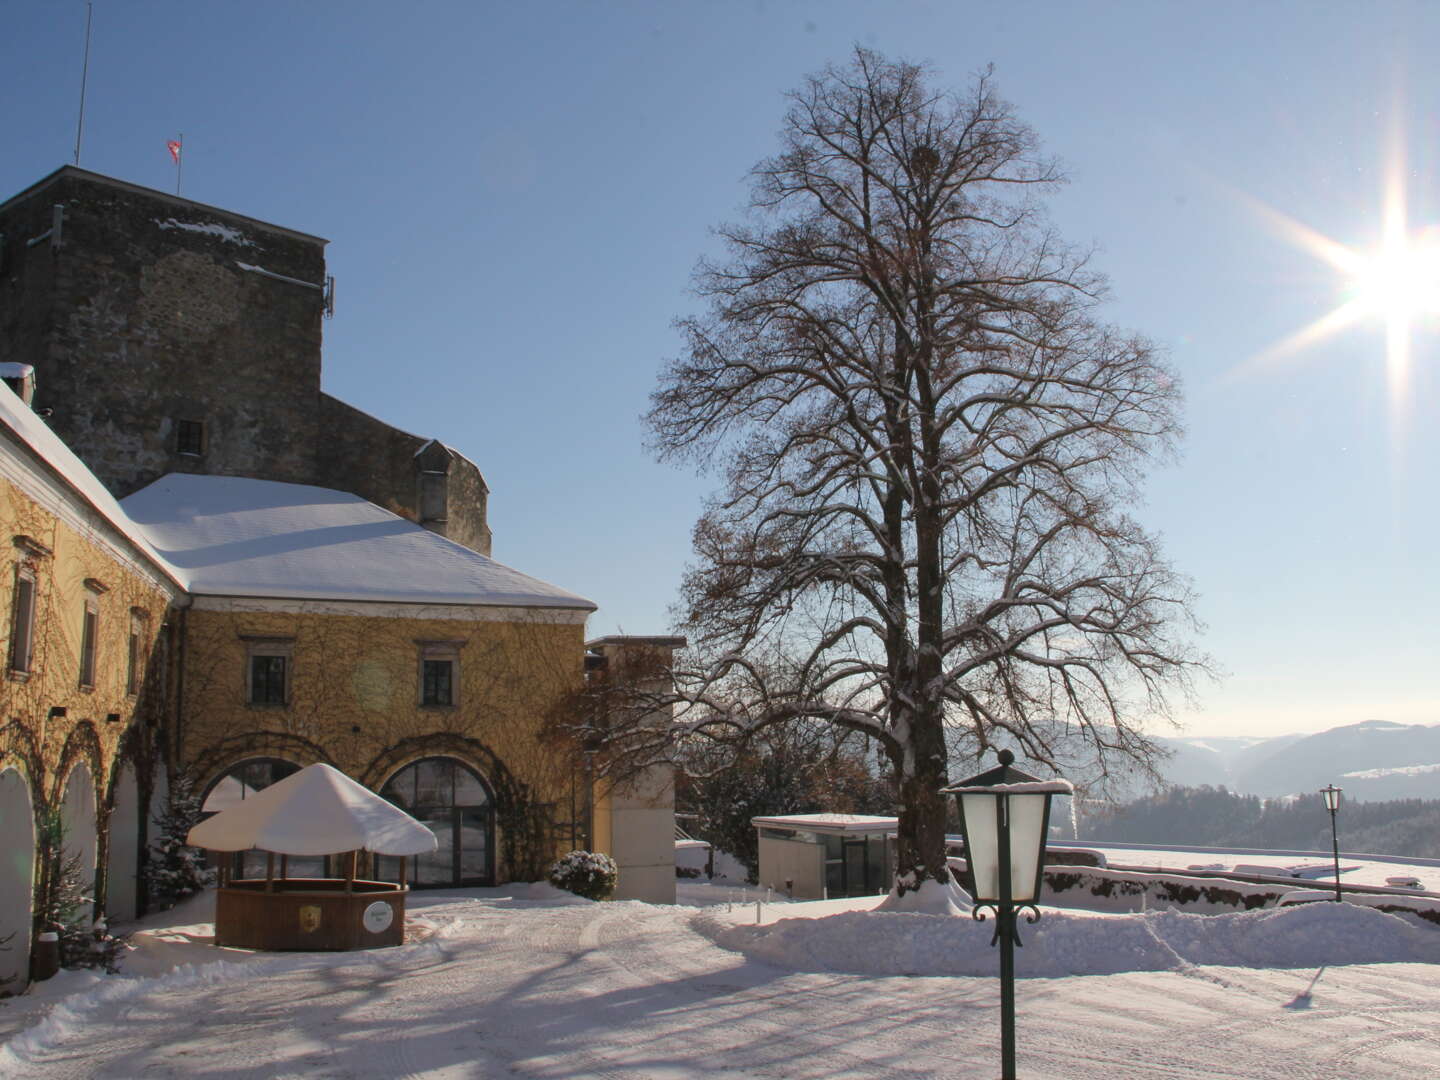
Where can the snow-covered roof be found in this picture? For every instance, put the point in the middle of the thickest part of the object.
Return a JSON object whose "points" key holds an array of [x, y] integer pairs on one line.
{"points": [[33, 432], [832, 823], [316, 811], [235, 536]]}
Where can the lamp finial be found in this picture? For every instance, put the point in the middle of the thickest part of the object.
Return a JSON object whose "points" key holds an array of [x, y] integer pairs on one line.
{"points": [[1006, 757]]}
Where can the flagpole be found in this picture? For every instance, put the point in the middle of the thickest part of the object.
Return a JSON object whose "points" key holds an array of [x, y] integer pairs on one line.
{"points": [[179, 161], [84, 77]]}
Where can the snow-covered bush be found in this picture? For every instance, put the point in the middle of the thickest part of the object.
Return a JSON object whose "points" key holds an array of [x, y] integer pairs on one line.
{"points": [[176, 870], [590, 874]]}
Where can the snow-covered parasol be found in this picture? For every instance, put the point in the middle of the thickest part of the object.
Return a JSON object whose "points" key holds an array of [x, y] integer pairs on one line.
{"points": [[316, 811]]}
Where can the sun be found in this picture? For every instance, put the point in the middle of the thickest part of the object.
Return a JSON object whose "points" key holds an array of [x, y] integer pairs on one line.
{"points": [[1396, 282], [1401, 281]]}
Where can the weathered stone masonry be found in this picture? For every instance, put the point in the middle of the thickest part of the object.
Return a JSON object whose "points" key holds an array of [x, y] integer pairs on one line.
{"points": [[170, 336]]}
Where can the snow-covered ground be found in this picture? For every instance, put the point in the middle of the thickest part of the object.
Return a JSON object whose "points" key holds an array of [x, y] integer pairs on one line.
{"points": [[530, 983]]}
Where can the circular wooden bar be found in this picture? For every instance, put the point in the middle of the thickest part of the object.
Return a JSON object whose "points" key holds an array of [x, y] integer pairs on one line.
{"points": [[309, 913]]}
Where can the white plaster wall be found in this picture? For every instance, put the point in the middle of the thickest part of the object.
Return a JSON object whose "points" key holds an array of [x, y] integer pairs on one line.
{"points": [[77, 811], [791, 860], [17, 870], [122, 866], [642, 838]]}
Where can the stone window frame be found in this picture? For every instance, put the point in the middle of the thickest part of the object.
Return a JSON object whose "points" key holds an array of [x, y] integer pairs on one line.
{"points": [[269, 645], [23, 618], [438, 651], [90, 632], [89, 642], [135, 650]]}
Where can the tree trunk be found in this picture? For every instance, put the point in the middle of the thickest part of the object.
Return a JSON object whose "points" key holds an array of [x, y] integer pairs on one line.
{"points": [[920, 838]]}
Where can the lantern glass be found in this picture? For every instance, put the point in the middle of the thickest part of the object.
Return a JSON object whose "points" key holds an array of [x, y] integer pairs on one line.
{"points": [[1027, 837], [982, 842], [1331, 795]]}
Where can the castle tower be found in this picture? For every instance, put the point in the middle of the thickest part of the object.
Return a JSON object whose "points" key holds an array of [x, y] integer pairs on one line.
{"points": [[170, 336], [166, 336]]}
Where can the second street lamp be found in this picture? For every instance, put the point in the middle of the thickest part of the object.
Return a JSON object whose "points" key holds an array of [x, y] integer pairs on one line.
{"points": [[1004, 818], [1331, 795]]}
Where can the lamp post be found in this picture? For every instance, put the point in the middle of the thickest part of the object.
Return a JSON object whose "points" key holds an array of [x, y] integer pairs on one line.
{"points": [[1004, 818], [1331, 795]]}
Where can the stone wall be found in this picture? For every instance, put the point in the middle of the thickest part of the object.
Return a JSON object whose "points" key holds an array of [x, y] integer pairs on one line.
{"points": [[384, 464], [152, 310], [145, 315]]}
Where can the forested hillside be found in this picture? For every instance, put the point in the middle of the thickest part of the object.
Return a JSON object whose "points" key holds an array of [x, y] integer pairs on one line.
{"points": [[1214, 817]]}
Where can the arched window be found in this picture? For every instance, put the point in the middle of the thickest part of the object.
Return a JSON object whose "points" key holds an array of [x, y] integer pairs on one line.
{"points": [[454, 802], [232, 788]]}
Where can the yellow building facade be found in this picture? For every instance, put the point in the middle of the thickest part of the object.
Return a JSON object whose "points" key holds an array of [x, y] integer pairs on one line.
{"points": [[227, 631], [84, 688]]}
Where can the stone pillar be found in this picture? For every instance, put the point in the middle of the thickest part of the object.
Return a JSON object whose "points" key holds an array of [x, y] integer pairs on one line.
{"points": [[635, 821]]}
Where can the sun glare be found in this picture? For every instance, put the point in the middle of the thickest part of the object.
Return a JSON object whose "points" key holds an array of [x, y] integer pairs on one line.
{"points": [[1400, 282], [1396, 283]]}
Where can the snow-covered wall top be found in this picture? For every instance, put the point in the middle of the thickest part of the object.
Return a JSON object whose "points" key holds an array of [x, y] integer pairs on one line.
{"points": [[234, 536]]}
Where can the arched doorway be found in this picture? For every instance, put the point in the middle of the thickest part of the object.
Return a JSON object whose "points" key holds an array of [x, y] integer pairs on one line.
{"points": [[77, 816], [122, 865], [231, 788], [452, 799], [17, 875]]}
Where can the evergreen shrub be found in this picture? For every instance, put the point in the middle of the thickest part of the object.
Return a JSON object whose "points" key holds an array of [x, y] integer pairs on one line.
{"points": [[590, 874]]}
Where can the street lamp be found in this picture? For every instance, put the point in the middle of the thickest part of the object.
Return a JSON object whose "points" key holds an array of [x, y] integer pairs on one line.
{"points": [[1004, 818], [1331, 795]]}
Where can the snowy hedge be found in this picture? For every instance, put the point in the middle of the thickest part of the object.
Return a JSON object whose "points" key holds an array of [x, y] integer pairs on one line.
{"points": [[590, 874], [1118, 890]]}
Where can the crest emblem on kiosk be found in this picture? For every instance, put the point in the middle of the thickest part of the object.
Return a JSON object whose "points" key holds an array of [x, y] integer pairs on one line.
{"points": [[309, 918]]}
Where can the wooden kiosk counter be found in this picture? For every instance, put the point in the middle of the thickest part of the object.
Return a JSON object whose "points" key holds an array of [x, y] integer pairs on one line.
{"points": [[317, 811]]}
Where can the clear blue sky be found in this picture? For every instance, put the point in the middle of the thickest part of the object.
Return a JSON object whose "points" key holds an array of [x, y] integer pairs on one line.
{"points": [[515, 195]]}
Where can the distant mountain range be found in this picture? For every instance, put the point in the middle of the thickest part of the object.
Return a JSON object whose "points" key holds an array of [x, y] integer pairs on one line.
{"points": [[1373, 761]]}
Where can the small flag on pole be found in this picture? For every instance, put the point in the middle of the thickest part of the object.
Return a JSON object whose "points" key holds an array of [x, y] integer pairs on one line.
{"points": [[173, 146]]}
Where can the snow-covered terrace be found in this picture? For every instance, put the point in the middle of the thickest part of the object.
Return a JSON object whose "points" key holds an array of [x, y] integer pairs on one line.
{"points": [[522, 982]]}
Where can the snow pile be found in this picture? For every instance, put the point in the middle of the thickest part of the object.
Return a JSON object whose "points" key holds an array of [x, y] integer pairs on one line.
{"points": [[897, 943], [932, 898]]}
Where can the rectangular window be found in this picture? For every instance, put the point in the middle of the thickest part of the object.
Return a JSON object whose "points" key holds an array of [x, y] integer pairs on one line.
{"points": [[433, 496], [22, 623], [436, 681], [89, 635], [267, 680], [134, 657], [439, 673], [190, 437], [268, 669]]}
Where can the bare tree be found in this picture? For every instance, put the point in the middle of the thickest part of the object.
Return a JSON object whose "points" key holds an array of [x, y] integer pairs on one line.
{"points": [[929, 444]]}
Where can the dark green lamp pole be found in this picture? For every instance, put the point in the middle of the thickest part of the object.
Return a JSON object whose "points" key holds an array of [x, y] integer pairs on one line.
{"points": [[1331, 795], [1004, 819]]}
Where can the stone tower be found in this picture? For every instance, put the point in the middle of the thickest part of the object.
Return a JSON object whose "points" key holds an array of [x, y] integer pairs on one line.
{"points": [[170, 336]]}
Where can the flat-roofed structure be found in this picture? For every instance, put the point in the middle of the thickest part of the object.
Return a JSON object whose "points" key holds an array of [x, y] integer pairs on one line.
{"points": [[815, 856]]}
